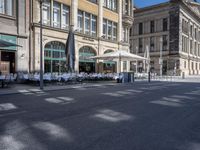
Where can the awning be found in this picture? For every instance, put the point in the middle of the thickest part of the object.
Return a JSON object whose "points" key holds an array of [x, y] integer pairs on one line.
{"points": [[8, 42]]}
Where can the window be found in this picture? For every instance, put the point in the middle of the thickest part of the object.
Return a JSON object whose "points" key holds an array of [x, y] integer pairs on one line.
{"points": [[125, 34], [195, 33], [56, 14], [126, 7], [94, 25], [140, 28], [191, 31], [151, 44], [54, 57], [65, 17], [164, 42], [46, 12], [165, 24], [80, 21], [152, 24], [140, 45], [109, 29], [111, 4], [104, 28], [87, 23], [93, 1], [6, 7], [191, 47], [114, 31]]}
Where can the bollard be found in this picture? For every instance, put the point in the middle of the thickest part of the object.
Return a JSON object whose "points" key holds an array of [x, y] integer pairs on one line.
{"points": [[149, 76]]}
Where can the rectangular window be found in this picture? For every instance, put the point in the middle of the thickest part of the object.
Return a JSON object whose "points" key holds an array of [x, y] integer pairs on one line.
{"points": [[93, 1], [114, 31], [140, 28], [46, 12], [56, 14], [2, 7], [140, 45], [80, 21], [105, 28], [165, 42], [110, 4], [152, 26], [165, 24], [6, 7], [94, 25], [65, 17], [126, 7], [191, 47], [87, 23], [109, 29], [151, 44], [191, 31]]}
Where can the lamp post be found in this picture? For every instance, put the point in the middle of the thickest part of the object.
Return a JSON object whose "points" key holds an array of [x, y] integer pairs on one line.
{"points": [[161, 59], [41, 48]]}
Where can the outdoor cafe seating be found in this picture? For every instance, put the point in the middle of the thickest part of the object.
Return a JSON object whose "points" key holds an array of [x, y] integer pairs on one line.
{"points": [[6, 80]]}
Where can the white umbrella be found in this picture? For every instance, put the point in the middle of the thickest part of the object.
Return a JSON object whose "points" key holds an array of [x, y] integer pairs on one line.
{"points": [[119, 55]]}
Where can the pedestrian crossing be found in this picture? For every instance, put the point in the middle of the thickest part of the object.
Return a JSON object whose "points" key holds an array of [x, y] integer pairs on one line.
{"points": [[60, 100], [36, 92]]}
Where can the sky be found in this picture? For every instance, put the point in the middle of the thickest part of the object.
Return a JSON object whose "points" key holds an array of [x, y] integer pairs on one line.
{"points": [[143, 3]]}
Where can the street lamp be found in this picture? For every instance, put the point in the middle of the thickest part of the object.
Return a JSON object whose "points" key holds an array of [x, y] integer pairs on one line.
{"points": [[161, 59], [41, 48]]}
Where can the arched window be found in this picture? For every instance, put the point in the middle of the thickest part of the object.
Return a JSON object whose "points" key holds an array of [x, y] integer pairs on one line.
{"points": [[108, 51], [85, 52], [54, 57], [86, 64]]}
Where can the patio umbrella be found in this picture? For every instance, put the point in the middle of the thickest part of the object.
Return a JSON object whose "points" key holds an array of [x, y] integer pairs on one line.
{"points": [[119, 55], [7, 44], [70, 51]]}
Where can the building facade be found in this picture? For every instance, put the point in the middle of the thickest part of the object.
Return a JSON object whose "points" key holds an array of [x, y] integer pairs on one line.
{"points": [[100, 26], [170, 34], [14, 28]]}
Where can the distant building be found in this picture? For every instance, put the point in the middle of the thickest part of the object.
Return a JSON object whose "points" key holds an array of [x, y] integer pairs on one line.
{"points": [[174, 28], [101, 26], [14, 28]]}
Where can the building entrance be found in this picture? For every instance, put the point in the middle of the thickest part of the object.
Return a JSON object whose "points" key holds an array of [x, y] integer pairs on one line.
{"points": [[86, 64]]}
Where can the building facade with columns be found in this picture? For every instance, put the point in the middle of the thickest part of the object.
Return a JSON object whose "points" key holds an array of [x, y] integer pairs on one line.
{"points": [[14, 28], [170, 33], [100, 26]]}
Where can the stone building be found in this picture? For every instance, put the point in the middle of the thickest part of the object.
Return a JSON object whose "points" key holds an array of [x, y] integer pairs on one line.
{"points": [[100, 26], [14, 28], [170, 33]]}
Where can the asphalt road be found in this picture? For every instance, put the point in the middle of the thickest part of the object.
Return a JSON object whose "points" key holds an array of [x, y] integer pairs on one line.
{"points": [[141, 116]]}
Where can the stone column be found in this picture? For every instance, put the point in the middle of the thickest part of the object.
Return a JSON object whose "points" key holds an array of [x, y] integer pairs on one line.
{"points": [[74, 12], [100, 19], [119, 34]]}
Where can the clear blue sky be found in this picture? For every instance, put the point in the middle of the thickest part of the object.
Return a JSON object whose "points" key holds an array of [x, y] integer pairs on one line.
{"points": [[143, 3]]}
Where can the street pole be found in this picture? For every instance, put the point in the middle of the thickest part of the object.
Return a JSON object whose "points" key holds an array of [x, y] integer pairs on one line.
{"points": [[136, 60], [41, 48], [161, 59], [148, 64]]}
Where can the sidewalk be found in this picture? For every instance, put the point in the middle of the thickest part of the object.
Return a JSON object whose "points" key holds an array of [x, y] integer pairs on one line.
{"points": [[20, 88]]}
